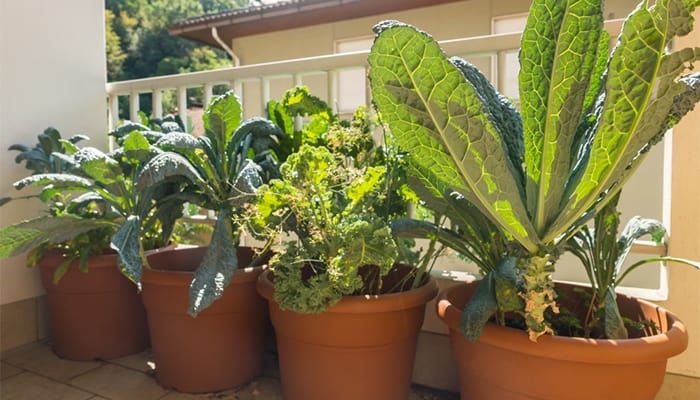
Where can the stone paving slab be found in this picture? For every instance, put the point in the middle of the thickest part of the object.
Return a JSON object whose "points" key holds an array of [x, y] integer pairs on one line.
{"points": [[35, 372]]}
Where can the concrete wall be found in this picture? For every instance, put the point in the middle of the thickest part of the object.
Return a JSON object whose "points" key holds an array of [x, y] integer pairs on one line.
{"points": [[52, 72]]}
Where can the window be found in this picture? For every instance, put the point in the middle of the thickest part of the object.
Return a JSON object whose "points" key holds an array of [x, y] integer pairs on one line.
{"points": [[352, 83]]}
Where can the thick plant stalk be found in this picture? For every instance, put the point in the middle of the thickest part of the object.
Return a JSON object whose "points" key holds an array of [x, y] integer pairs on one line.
{"points": [[538, 293]]}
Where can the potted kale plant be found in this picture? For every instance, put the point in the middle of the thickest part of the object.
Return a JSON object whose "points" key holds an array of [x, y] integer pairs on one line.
{"points": [[346, 305], [519, 186], [207, 321], [95, 312]]}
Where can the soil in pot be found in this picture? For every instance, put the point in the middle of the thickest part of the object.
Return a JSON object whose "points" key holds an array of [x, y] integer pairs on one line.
{"points": [[503, 364], [361, 348], [219, 349], [93, 315]]}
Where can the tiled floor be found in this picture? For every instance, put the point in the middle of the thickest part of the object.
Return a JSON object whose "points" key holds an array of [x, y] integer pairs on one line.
{"points": [[33, 372]]}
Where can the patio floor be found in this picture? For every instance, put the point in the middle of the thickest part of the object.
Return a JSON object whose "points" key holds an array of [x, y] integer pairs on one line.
{"points": [[34, 372]]}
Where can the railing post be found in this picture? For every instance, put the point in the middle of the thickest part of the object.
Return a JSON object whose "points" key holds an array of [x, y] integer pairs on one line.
{"points": [[134, 106], [113, 112], [264, 92], [208, 93], [298, 119], [333, 90], [182, 104], [237, 87], [157, 103]]}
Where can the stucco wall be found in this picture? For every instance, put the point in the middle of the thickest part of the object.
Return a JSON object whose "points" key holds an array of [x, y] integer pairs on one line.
{"points": [[52, 72]]}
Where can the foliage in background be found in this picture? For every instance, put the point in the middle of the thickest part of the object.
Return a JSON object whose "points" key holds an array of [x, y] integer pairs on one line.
{"points": [[138, 44], [588, 119], [145, 48]]}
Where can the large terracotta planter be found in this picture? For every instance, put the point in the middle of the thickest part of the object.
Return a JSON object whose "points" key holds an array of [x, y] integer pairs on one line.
{"points": [[361, 348], [219, 349], [503, 364], [93, 315]]}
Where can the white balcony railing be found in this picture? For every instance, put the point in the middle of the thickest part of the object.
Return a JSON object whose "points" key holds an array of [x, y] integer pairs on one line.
{"points": [[328, 65]]}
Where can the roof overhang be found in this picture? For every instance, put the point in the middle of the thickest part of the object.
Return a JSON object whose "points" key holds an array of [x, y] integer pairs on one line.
{"points": [[286, 15]]}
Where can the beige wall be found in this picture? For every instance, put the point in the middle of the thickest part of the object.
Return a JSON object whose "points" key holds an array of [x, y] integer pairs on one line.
{"points": [[52, 72], [684, 282]]}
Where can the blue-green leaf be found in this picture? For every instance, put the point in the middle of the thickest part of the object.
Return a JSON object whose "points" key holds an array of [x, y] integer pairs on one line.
{"points": [[127, 243], [26, 235], [218, 265], [438, 115]]}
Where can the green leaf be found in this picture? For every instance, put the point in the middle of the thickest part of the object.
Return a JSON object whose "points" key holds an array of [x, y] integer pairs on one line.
{"points": [[614, 324], [55, 180], [299, 101], [481, 306], [434, 112], [597, 80], [97, 165], [178, 141], [167, 165], [558, 54], [278, 114], [221, 118], [501, 112], [26, 235], [506, 286], [248, 181], [218, 265], [636, 228], [69, 147], [641, 87], [127, 243], [416, 229], [78, 138], [61, 269], [136, 147], [83, 200]]}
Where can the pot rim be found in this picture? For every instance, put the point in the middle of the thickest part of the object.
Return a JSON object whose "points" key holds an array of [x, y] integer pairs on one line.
{"points": [[164, 277], [654, 348], [364, 304], [104, 260]]}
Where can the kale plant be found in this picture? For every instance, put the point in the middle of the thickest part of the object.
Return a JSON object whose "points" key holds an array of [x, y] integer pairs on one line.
{"points": [[222, 169], [94, 198], [588, 119], [338, 230]]}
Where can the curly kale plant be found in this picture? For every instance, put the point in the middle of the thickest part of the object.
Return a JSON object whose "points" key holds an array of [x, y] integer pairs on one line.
{"points": [[332, 212], [603, 255], [587, 121], [222, 172]]}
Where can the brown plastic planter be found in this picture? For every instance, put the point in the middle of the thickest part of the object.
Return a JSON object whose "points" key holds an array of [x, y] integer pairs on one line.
{"points": [[93, 315], [361, 348], [219, 349], [503, 364]]}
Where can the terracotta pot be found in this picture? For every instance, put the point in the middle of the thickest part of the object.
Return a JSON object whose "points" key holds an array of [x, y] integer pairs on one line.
{"points": [[503, 364], [361, 348], [93, 315], [223, 346]]}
